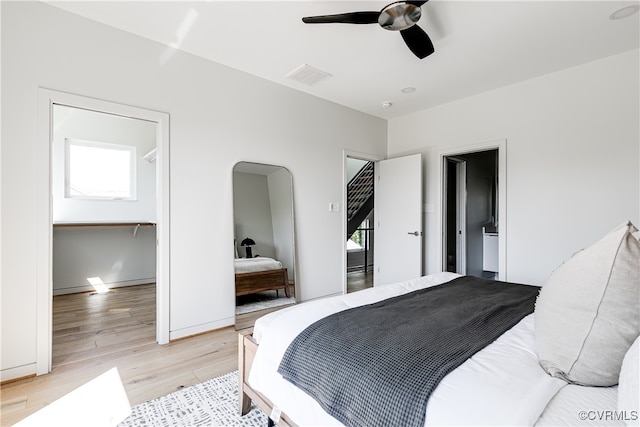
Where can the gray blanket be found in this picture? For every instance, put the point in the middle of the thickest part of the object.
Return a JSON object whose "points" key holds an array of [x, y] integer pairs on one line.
{"points": [[377, 365]]}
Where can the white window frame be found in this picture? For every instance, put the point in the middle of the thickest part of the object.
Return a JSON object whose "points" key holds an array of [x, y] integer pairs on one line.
{"points": [[105, 146]]}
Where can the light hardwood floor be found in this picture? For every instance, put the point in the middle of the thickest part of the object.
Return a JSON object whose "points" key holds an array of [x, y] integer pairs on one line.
{"points": [[88, 325], [94, 333]]}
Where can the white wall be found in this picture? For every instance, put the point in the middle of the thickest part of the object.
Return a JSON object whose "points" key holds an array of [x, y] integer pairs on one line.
{"points": [[218, 116], [354, 166], [252, 213], [120, 256], [75, 123], [572, 158], [282, 215]]}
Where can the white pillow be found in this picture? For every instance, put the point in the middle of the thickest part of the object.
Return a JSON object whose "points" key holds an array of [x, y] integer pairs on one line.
{"points": [[629, 386], [588, 312]]}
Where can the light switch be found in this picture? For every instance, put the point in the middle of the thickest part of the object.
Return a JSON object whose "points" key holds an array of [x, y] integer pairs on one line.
{"points": [[334, 207], [428, 207]]}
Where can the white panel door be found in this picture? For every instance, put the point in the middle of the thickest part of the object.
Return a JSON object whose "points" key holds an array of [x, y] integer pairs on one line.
{"points": [[398, 220]]}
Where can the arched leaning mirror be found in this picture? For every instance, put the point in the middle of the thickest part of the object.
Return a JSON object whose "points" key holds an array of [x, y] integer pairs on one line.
{"points": [[264, 258]]}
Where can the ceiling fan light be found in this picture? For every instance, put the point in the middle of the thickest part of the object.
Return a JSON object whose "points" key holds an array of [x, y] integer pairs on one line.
{"points": [[399, 16]]}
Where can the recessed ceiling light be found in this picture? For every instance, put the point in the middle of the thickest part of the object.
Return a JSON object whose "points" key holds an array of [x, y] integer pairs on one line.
{"points": [[625, 12], [408, 89], [386, 104]]}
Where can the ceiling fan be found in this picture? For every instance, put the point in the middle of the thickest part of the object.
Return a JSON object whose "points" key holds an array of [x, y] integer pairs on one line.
{"points": [[398, 16]]}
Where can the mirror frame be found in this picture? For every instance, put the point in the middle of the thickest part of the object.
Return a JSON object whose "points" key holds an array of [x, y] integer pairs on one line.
{"points": [[266, 169]]}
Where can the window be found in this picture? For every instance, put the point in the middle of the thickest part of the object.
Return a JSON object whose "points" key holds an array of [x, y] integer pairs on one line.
{"points": [[360, 238], [97, 170]]}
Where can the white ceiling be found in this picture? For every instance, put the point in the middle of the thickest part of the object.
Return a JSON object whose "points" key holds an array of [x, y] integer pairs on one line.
{"points": [[480, 45]]}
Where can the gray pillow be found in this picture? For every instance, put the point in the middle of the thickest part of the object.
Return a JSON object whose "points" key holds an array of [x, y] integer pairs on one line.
{"points": [[588, 312]]}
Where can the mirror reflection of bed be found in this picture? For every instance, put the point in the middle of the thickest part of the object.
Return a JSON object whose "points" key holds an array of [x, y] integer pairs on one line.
{"points": [[264, 258]]}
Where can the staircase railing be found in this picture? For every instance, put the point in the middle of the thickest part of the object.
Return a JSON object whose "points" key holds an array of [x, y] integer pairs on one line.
{"points": [[359, 197]]}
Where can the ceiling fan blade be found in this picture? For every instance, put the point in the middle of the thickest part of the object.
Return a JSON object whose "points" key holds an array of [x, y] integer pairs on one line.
{"points": [[418, 41], [344, 18], [416, 3]]}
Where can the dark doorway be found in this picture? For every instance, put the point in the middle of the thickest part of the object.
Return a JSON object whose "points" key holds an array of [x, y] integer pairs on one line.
{"points": [[471, 212]]}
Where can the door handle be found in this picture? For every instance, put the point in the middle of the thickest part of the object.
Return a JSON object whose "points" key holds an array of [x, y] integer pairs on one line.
{"points": [[415, 233]]}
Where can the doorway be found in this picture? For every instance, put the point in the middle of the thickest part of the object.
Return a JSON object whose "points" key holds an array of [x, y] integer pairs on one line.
{"points": [[104, 242], [359, 223], [471, 223], [397, 228], [48, 99]]}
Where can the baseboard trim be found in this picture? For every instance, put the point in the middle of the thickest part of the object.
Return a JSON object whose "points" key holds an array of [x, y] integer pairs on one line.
{"points": [[205, 327], [18, 373], [88, 288]]}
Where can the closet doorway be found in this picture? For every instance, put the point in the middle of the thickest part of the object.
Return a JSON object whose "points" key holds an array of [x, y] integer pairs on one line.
{"points": [[104, 235], [104, 241]]}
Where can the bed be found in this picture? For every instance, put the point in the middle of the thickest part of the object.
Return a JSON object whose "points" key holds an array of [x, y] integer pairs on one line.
{"points": [[260, 274], [514, 380]]}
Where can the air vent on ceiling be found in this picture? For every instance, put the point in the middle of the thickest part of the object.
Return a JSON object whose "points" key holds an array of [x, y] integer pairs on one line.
{"points": [[307, 75]]}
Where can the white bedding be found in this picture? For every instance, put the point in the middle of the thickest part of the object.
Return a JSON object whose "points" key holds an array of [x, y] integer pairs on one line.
{"points": [[250, 265], [576, 405], [502, 384]]}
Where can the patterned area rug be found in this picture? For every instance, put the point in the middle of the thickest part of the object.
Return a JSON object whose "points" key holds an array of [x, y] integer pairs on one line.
{"points": [[210, 403]]}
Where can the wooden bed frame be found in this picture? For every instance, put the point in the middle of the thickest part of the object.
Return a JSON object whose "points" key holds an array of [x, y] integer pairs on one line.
{"points": [[258, 281], [247, 348]]}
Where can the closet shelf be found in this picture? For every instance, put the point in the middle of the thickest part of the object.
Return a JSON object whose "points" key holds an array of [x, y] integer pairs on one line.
{"points": [[103, 224], [135, 225]]}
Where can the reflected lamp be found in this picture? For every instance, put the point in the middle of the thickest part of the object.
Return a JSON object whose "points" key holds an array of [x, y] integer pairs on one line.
{"points": [[247, 243]]}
